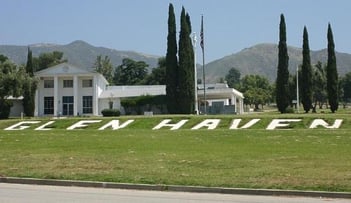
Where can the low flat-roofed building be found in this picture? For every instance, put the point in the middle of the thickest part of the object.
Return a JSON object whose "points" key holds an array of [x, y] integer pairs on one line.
{"points": [[66, 90]]}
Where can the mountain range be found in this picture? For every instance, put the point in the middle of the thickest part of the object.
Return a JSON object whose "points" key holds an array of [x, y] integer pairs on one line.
{"points": [[261, 59], [78, 53]]}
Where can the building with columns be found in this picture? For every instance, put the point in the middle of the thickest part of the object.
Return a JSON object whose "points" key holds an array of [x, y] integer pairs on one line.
{"points": [[66, 90]]}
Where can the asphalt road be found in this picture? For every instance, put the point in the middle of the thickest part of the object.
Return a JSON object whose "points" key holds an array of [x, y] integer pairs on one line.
{"points": [[16, 193]]}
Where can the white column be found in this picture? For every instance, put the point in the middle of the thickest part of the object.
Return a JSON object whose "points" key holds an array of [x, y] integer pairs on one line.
{"points": [[235, 104], [241, 105], [95, 97], [75, 96], [56, 97], [36, 102]]}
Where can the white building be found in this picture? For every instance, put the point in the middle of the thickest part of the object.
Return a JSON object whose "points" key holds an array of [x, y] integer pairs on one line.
{"points": [[66, 90]]}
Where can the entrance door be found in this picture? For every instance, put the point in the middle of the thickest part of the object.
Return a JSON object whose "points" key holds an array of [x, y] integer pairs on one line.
{"points": [[67, 105]]}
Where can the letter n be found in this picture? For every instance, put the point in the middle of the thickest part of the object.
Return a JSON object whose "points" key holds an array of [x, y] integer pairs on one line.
{"points": [[321, 122]]}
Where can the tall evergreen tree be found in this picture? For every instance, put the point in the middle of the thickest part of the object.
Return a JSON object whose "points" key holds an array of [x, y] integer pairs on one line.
{"points": [[186, 66], [172, 63], [332, 74], [282, 82], [29, 87], [29, 65], [306, 74]]}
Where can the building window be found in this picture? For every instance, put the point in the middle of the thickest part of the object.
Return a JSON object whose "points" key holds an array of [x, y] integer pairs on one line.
{"points": [[48, 83], [87, 104], [87, 83], [48, 105], [67, 83]]}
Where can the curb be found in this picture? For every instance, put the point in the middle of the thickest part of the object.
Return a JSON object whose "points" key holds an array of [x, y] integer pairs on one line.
{"points": [[176, 188]]}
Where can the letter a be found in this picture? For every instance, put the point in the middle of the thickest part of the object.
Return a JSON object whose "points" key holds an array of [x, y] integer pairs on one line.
{"points": [[209, 123]]}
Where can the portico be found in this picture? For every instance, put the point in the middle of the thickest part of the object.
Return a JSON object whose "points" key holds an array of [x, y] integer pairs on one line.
{"points": [[221, 96], [65, 90]]}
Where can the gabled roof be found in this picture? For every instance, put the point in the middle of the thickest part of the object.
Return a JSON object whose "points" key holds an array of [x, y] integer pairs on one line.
{"points": [[64, 69]]}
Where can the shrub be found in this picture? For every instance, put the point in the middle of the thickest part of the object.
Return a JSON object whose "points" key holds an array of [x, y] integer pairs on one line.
{"points": [[5, 108], [143, 103], [290, 110], [110, 112]]}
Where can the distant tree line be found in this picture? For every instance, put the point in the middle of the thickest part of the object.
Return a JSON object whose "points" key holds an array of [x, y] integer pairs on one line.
{"points": [[319, 84], [130, 72]]}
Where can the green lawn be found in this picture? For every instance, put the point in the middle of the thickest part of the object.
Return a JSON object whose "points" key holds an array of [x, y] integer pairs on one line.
{"points": [[301, 158]]}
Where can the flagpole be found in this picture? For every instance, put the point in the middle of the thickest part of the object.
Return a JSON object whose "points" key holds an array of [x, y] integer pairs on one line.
{"points": [[203, 61], [204, 80], [195, 75]]}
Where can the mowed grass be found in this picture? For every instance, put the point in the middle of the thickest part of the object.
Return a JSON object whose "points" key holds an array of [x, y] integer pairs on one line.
{"points": [[300, 158]]}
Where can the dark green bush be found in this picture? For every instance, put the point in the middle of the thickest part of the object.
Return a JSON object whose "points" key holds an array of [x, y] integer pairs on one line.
{"points": [[290, 110], [5, 108], [110, 112], [144, 100]]}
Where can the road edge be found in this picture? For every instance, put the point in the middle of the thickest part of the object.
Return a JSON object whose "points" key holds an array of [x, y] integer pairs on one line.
{"points": [[176, 188]]}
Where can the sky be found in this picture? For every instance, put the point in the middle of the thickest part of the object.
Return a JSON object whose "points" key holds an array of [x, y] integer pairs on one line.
{"points": [[141, 25]]}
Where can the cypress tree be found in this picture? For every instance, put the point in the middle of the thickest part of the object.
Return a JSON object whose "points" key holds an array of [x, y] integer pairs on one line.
{"points": [[172, 63], [29, 87], [29, 65], [186, 66], [282, 82], [332, 74], [306, 74]]}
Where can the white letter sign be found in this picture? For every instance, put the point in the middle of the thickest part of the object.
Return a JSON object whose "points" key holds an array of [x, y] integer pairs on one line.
{"points": [[21, 126], [236, 122], [209, 123], [276, 123], [321, 122], [82, 124], [43, 126], [115, 124], [165, 122]]}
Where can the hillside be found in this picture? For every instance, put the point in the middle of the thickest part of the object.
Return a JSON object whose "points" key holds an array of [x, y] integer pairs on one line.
{"points": [[262, 59], [78, 53]]}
